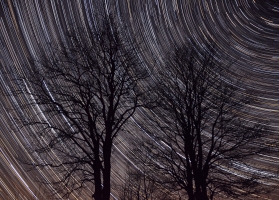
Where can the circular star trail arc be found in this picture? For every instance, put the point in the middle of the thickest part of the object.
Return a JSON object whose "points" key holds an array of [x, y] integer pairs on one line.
{"points": [[245, 31]]}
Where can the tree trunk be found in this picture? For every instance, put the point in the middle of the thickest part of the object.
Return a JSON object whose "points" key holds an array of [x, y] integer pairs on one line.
{"points": [[97, 180], [190, 189], [204, 190], [201, 193], [107, 168]]}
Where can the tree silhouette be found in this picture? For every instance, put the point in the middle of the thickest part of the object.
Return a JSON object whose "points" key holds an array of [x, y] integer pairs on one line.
{"points": [[204, 136], [84, 91]]}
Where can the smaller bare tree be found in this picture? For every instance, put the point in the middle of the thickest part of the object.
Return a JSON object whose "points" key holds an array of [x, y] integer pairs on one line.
{"points": [[204, 139]]}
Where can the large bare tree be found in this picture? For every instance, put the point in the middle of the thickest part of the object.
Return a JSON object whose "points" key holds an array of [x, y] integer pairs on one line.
{"points": [[84, 91], [205, 133]]}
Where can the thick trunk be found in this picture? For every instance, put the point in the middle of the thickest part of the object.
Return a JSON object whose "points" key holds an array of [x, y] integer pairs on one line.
{"points": [[190, 188], [107, 169], [204, 195], [204, 189], [201, 196], [204, 182], [201, 193], [190, 193], [198, 194], [97, 178], [106, 190], [200, 186]]}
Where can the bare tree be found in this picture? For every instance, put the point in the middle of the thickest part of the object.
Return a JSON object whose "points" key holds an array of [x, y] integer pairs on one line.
{"points": [[84, 91], [205, 139]]}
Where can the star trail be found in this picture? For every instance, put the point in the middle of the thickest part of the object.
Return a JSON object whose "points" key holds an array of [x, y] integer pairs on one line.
{"points": [[244, 31]]}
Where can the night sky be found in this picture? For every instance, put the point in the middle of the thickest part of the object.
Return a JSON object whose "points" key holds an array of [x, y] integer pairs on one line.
{"points": [[245, 32]]}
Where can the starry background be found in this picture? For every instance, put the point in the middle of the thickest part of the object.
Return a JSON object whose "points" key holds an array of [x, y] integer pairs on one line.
{"points": [[243, 31]]}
